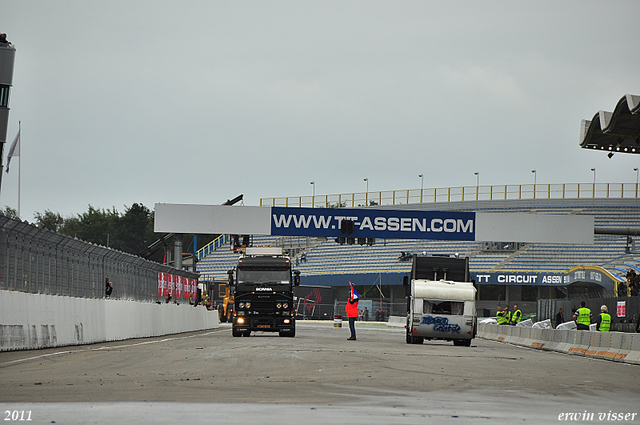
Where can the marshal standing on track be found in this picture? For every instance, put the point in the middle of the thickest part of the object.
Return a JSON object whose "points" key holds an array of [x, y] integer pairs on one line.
{"points": [[352, 311]]}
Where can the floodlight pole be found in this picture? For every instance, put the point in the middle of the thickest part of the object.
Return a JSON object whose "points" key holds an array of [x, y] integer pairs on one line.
{"points": [[534, 183], [477, 173]]}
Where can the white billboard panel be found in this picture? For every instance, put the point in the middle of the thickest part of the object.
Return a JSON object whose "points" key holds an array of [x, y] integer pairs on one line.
{"points": [[535, 228], [212, 219], [373, 223]]}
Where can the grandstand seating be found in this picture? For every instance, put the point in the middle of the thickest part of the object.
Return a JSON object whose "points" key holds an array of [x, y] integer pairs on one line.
{"points": [[328, 257]]}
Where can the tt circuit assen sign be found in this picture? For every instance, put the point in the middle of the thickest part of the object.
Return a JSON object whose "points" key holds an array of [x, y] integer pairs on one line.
{"points": [[373, 223], [356, 223]]}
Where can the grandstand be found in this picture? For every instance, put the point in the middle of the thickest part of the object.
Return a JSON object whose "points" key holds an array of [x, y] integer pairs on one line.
{"points": [[331, 264]]}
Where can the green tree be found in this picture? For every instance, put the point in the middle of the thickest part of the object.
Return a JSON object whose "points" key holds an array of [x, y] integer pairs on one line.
{"points": [[133, 229], [10, 213], [49, 220], [96, 226]]}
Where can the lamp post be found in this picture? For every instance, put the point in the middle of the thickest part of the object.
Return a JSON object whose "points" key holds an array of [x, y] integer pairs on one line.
{"points": [[594, 182], [366, 194], [477, 174], [535, 176], [637, 170], [313, 192], [421, 185]]}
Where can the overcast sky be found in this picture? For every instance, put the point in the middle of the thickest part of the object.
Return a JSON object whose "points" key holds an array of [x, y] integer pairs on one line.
{"points": [[199, 101]]}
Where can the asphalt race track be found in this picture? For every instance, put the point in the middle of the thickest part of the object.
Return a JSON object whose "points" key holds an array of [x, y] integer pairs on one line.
{"points": [[318, 377]]}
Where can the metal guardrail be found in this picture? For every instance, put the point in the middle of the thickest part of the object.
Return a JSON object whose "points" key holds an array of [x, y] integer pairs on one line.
{"points": [[44, 262], [457, 194]]}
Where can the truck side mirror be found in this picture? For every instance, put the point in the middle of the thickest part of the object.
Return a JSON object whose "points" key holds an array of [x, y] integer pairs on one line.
{"points": [[230, 274], [296, 278], [405, 280]]}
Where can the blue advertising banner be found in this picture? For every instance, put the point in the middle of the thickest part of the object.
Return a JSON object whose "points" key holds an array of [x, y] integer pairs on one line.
{"points": [[373, 223], [522, 278], [582, 274]]}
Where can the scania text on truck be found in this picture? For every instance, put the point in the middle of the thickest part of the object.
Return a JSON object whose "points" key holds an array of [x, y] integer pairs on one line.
{"points": [[263, 293], [441, 302]]}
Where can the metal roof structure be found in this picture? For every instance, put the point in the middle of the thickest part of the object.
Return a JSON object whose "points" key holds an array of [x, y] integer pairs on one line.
{"points": [[617, 131]]}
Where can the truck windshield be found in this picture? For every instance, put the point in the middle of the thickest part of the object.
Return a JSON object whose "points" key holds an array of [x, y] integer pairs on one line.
{"points": [[263, 276]]}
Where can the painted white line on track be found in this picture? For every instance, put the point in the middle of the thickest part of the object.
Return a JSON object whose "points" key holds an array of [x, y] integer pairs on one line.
{"points": [[107, 347]]}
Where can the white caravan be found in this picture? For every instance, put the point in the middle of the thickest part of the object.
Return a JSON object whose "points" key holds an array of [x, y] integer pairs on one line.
{"points": [[441, 302]]}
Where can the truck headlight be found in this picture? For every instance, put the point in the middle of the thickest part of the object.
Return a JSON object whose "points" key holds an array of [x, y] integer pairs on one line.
{"points": [[285, 305], [248, 305], [278, 305], [241, 305], [240, 321]]}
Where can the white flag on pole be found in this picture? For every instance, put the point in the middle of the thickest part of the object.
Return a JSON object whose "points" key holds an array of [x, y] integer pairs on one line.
{"points": [[14, 150]]}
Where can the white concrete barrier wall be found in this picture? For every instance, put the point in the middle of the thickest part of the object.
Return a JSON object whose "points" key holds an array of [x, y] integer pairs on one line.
{"points": [[615, 346], [29, 321], [397, 321]]}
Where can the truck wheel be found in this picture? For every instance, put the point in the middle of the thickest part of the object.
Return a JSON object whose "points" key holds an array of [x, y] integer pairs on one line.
{"points": [[235, 332], [462, 342], [247, 333]]}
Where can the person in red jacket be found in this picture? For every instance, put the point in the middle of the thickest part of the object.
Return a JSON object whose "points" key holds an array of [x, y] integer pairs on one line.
{"points": [[352, 312]]}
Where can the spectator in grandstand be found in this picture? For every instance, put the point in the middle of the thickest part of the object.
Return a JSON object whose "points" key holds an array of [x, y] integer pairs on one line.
{"points": [[108, 288], [402, 255], [303, 257], [560, 317], [3, 39], [603, 324], [633, 280], [622, 289], [582, 317]]}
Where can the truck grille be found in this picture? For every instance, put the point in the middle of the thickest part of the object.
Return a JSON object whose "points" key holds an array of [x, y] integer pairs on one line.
{"points": [[267, 306]]}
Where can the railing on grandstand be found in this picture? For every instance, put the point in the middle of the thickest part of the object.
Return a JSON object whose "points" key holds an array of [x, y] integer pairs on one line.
{"points": [[212, 246], [456, 194]]}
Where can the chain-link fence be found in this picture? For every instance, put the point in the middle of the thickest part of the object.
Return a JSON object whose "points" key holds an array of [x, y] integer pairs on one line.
{"points": [[40, 261]]}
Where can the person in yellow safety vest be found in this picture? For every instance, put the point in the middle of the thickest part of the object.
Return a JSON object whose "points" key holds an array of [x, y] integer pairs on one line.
{"points": [[582, 317], [506, 314], [516, 316], [604, 320], [502, 316]]}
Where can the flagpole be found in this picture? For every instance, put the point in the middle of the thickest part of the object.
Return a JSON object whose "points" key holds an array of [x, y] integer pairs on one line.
{"points": [[19, 168]]}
